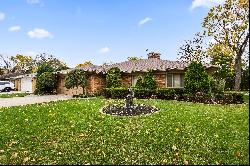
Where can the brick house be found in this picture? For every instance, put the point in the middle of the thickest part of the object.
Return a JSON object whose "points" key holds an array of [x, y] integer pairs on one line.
{"points": [[167, 74]]}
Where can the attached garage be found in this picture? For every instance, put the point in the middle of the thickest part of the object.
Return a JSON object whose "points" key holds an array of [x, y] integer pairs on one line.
{"points": [[25, 83]]}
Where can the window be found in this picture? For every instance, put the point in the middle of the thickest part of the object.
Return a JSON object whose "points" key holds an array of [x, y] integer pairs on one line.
{"points": [[3, 83], [175, 80], [170, 80]]}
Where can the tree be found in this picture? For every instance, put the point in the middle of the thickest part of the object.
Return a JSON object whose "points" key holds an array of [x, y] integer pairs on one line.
{"points": [[194, 49], [5, 63], [149, 82], [46, 83], [49, 60], [1, 71], [196, 78], [113, 78], [228, 25], [48, 63], [139, 83], [86, 63], [76, 78], [245, 79], [22, 63], [131, 58], [221, 56]]}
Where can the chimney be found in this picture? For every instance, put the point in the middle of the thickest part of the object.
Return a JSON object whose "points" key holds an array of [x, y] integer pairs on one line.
{"points": [[154, 55]]}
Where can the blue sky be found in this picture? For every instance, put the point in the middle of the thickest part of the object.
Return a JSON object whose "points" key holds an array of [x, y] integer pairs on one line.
{"points": [[99, 30]]}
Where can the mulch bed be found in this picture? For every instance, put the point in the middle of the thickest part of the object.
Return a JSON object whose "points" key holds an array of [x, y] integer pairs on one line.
{"points": [[135, 110]]}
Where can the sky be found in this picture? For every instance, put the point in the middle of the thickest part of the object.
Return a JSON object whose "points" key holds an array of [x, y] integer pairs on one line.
{"points": [[99, 31]]}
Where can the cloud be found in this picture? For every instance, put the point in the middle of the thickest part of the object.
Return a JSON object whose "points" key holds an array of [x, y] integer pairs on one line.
{"points": [[14, 28], [33, 2], [39, 33], [104, 50], [2, 16], [205, 3], [144, 21]]}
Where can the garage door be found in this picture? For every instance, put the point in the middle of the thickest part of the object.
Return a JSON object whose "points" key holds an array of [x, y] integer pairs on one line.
{"points": [[26, 84]]}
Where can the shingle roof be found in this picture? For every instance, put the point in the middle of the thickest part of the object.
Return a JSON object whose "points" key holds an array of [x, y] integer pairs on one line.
{"points": [[7, 76], [142, 65]]}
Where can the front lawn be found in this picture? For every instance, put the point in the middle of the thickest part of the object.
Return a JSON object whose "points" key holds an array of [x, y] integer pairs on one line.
{"points": [[10, 95], [75, 132]]}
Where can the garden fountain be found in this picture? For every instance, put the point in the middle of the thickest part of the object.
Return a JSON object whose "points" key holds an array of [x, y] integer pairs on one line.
{"points": [[129, 108]]}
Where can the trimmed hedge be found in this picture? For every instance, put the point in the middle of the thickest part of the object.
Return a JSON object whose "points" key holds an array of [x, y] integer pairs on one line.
{"points": [[116, 93], [176, 94], [165, 94]]}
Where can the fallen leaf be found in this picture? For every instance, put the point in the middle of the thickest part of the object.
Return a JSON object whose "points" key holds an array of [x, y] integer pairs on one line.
{"points": [[1, 151], [185, 162], [165, 161], [177, 130], [14, 154], [217, 163], [237, 153], [26, 159], [174, 147]]}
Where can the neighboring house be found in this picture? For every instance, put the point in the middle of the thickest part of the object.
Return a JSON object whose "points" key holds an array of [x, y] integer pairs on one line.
{"points": [[25, 82], [167, 74]]}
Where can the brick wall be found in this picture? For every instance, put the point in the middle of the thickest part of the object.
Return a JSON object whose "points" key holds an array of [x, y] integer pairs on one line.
{"points": [[160, 80], [95, 83]]}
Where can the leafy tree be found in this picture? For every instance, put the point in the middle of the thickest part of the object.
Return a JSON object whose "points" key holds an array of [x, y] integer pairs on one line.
{"points": [[228, 25], [221, 56], [113, 78], [49, 62], [86, 63], [245, 79], [46, 83], [131, 58], [194, 49], [22, 63], [139, 83], [149, 82], [196, 78], [76, 78]]}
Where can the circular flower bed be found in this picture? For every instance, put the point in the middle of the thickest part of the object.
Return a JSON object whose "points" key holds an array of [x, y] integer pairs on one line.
{"points": [[134, 110]]}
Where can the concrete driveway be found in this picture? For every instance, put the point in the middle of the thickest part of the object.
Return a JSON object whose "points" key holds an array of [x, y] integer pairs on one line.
{"points": [[31, 99]]}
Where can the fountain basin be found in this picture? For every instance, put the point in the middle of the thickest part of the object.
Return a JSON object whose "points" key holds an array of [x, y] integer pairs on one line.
{"points": [[133, 110]]}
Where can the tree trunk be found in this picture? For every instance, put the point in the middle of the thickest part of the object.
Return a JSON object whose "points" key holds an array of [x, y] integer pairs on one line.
{"points": [[237, 66], [237, 76], [238, 72]]}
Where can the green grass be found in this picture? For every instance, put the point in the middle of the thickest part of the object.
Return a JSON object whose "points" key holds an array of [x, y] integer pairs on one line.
{"points": [[13, 95], [75, 132]]}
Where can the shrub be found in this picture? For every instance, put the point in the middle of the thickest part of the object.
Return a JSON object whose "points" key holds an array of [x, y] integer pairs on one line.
{"points": [[116, 93], [113, 78], [76, 78], [46, 83], [149, 82], [245, 79], [139, 83], [238, 98], [144, 93], [166, 94], [196, 78]]}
